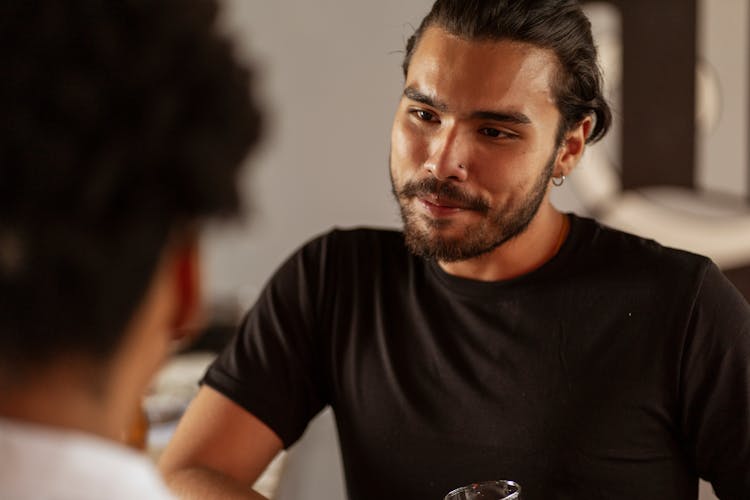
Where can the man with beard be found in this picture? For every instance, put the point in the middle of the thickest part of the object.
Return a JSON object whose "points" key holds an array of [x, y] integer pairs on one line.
{"points": [[495, 337]]}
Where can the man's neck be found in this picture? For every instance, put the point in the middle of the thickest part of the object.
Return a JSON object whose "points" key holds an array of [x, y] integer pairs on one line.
{"points": [[526, 252], [63, 397]]}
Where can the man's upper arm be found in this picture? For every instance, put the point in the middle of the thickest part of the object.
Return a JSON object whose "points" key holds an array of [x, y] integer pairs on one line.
{"points": [[715, 387], [217, 434]]}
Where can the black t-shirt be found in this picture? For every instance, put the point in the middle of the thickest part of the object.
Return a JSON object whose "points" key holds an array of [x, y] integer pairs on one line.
{"points": [[619, 369]]}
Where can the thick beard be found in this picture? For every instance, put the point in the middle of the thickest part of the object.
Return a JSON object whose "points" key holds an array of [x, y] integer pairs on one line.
{"points": [[496, 227]]}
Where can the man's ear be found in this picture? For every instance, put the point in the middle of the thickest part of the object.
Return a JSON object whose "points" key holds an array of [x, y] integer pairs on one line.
{"points": [[572, 147], [187, 286]]}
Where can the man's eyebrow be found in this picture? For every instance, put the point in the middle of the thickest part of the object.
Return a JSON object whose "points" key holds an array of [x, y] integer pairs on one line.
{"points": [[507, 117], [415, 95], [498, 116]]}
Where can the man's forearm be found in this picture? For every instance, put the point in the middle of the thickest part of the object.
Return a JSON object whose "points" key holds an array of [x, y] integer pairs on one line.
{"points": [[198, 483]]}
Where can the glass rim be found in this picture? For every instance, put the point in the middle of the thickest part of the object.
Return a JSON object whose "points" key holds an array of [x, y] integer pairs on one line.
{"points": [[514, 495]]}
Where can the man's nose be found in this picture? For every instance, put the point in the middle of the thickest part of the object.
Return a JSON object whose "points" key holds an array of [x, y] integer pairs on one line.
{"points": [[448, 156]]}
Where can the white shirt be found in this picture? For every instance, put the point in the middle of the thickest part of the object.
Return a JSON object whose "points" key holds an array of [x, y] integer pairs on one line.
{"points": [[43, 463]]}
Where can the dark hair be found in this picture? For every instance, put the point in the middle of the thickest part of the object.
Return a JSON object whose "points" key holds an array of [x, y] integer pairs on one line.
{"points": [[558, 25], [123, 123]]}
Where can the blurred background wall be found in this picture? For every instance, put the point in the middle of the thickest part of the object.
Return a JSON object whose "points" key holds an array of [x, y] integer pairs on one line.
{"points": [[330, 73]]}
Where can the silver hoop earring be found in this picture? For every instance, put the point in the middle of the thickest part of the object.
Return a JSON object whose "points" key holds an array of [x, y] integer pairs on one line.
{"points": [[558, 181]]}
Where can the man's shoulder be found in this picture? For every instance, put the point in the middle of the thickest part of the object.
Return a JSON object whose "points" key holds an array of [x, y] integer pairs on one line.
{"points": [[617, 245], [358, 240], [613, 255], [363, 249], [363, 234]]}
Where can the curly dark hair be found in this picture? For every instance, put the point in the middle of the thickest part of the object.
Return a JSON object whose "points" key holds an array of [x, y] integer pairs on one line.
{"points": [[123, 122], [558, 25]]}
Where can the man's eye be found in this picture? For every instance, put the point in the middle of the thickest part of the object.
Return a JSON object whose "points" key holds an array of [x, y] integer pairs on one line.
{"points": [[492, 132], [423, 115]]}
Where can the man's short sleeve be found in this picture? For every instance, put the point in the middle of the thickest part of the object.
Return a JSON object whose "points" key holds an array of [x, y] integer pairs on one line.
{"points": [[272, 366], [715, 386]]}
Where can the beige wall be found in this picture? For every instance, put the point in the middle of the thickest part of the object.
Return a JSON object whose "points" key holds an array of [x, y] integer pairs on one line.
{"points": [[330, 70], [722, 148]]}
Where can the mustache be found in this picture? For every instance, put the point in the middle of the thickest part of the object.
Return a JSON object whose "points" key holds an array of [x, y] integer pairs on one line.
{"points": [[444, 191]]}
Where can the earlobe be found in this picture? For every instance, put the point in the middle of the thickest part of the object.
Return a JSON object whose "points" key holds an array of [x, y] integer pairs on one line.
{"points": [[573, 146]]}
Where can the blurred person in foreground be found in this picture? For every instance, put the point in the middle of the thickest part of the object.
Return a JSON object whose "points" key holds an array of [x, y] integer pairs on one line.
{"points": [[124, 125], [495, 337]]}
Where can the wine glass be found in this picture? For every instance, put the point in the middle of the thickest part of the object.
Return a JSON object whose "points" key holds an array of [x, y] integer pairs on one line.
{"points": [[488, 490]]}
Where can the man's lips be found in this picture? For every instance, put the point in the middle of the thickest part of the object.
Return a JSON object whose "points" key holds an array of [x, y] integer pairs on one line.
{"points": [[444, 203], [440, 207]]}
